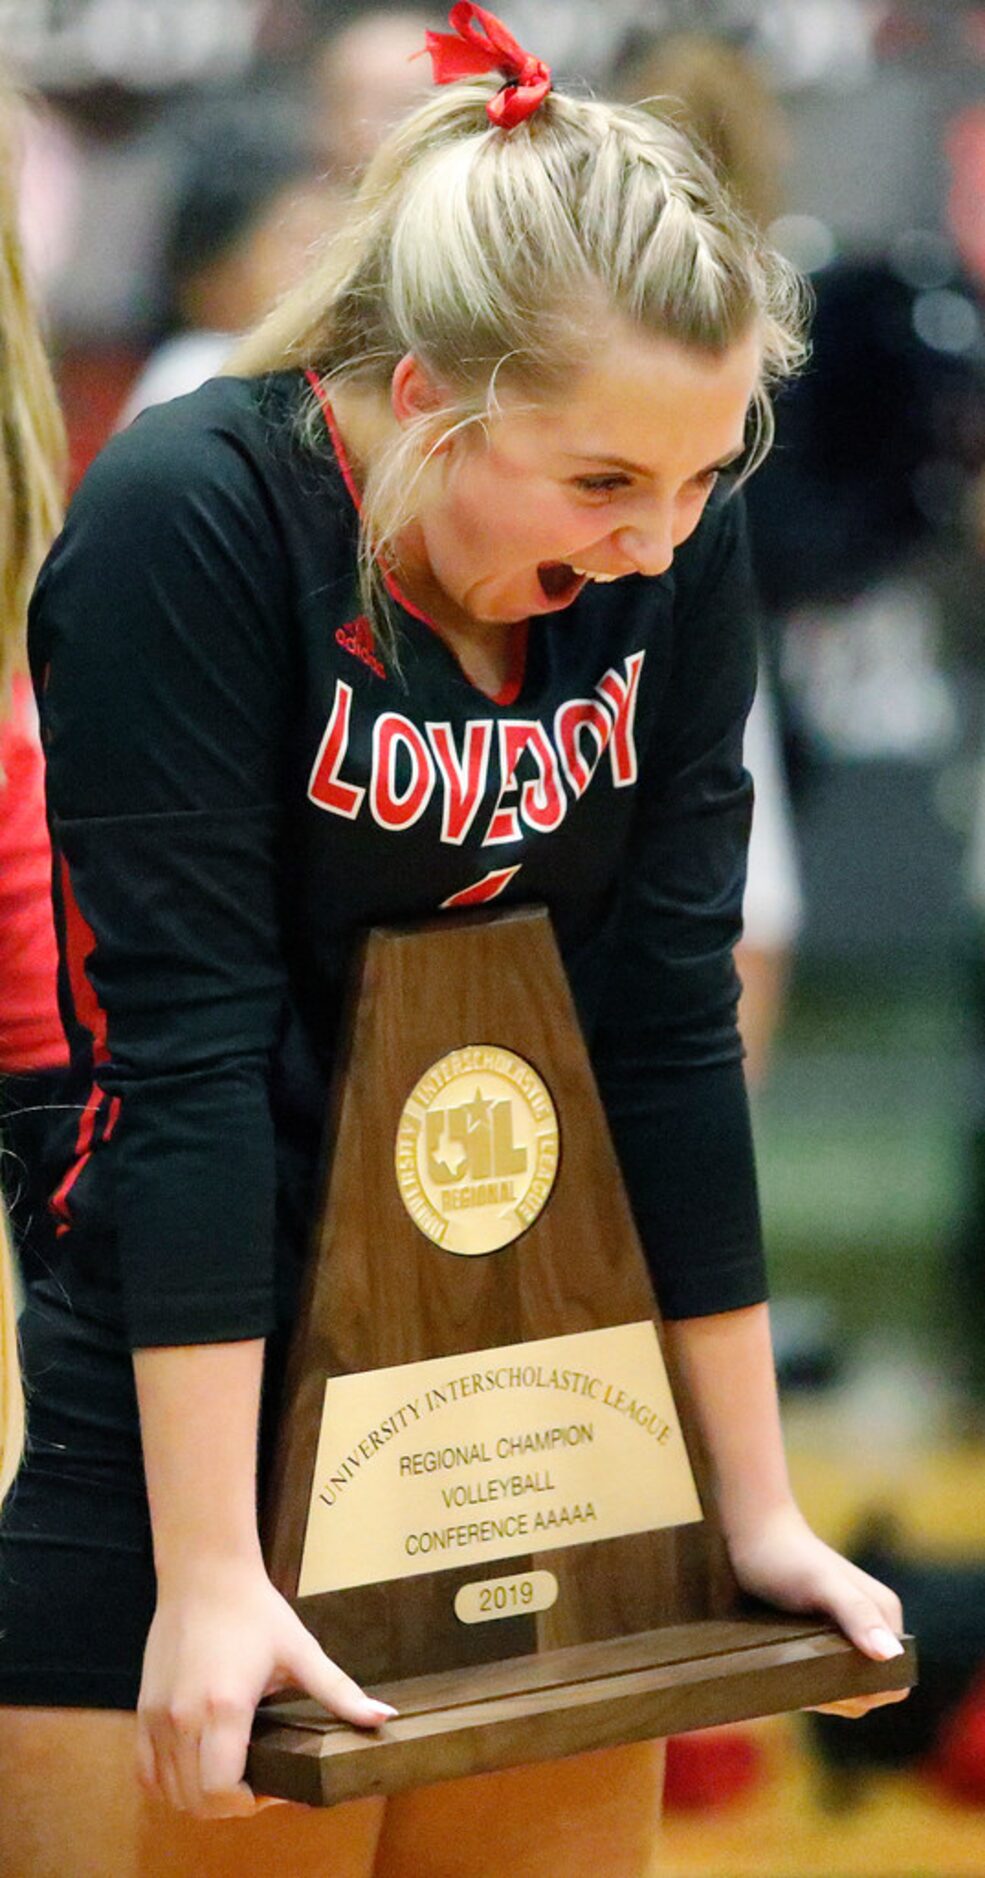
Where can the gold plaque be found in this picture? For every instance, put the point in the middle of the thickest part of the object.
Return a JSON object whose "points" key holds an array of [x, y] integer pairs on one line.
{"points": [[477, 1149], [485, 1600], [462, 1460]]}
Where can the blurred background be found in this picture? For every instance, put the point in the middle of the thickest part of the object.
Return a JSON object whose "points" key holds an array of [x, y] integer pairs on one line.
{"points": [[179, 159]]}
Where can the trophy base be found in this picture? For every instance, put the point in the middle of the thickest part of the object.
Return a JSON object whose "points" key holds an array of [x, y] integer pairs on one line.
{"points": [[542, 1707]]}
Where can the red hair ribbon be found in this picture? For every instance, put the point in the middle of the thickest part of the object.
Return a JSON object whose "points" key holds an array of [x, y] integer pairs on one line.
{"points": [[484, 45]]}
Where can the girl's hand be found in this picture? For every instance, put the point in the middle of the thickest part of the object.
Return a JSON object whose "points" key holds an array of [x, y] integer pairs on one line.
{"points": [[219, 1641], [786, 1564]]}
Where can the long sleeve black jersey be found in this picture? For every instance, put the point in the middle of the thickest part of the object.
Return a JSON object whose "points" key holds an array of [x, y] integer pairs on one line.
{"points": [[240, 781]]}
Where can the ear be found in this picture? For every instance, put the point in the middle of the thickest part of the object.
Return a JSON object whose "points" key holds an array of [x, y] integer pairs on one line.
{"points": [[413, 392]]}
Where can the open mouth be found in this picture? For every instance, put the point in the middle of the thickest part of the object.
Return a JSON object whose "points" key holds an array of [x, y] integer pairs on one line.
{"points": [[559, 580]]}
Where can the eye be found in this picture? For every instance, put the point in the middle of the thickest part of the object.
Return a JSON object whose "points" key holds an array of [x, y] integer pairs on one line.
{"points": [[601, 485]]}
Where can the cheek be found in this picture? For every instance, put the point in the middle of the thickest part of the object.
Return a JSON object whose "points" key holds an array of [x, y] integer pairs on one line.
{"points": [[478, 514], [516, 521], [516, 526]]}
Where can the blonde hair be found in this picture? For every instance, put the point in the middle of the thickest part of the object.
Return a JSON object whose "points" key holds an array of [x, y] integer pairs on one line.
{"points": [[11, 1390], [32, 445], [492, 256]]}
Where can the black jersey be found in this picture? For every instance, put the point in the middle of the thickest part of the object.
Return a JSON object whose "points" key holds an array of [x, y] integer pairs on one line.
{"points": [[241, 781]]}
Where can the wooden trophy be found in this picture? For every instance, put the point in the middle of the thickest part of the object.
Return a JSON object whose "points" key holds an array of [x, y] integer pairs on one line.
{"points": [[486, 1506]]}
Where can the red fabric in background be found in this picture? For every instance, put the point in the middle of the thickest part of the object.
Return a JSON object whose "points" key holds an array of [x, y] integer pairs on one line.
{"points": [[31, 1035], [93, 386], [959, 1762], [965, 148], [711, 1767]]}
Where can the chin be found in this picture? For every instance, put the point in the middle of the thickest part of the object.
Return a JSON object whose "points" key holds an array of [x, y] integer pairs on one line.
{"points": [[503, 615]]}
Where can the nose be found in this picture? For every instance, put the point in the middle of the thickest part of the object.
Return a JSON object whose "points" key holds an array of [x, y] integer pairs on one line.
{"points": [[648, 543]]}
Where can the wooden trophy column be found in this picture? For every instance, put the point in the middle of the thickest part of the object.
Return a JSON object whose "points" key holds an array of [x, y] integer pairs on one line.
{"points": [[486, 1506]]}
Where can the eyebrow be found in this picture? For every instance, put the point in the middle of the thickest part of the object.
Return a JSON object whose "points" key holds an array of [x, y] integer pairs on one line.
{"points": [[640, 469]]}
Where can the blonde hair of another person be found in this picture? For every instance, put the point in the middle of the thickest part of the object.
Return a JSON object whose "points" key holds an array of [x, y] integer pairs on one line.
{"points": [[721, 99], [32, 457], [493, 258], [32, 453], [11, 1392]]}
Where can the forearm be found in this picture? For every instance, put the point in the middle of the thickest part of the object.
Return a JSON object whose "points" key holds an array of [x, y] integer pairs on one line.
{"points": [[764, 971], [199, 1406], [724, 1366]]}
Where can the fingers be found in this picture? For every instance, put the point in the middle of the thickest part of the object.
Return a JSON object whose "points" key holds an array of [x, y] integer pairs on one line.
{"points": [[199, 1768], [220, 1760], [886, 1603], [177, 1758], [159, 1763], [320, 1677], [209, 1658], [147, 1773], [854, 1707], [870, 1615], [196, 1764]]}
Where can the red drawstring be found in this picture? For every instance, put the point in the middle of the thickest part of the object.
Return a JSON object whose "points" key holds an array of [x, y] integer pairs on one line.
{"points": [[484, 45]]}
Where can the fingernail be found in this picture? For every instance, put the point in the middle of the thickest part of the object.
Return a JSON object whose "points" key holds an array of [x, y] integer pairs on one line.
{"points": [[383, 1709], [885, 1644]]}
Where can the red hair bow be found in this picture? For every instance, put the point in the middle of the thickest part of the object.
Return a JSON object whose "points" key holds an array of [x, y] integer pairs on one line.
{"points": [[484, 45]]}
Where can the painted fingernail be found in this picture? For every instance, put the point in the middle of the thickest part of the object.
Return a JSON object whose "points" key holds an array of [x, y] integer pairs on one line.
{"points": [[885, 1644]]}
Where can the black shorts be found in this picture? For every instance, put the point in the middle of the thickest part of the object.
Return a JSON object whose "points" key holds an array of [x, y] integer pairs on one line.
{"points": [[77, 1582]]}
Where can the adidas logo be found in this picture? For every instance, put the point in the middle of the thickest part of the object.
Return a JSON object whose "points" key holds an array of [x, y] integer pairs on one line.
{"points": [[356, 636]]}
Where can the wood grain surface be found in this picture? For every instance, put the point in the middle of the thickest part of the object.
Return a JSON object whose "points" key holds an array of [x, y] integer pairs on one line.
{"points": [[564, 1702]]}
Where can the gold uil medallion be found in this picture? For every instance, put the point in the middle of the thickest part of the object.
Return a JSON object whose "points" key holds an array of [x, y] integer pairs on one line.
{"points": [[477, 1149]]}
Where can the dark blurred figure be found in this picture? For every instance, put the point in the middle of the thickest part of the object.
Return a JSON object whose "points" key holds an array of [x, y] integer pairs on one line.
{"points": [[966, 215], [883, 413], [939, 1730], [880, 438], [878, 461], [246, 209]]}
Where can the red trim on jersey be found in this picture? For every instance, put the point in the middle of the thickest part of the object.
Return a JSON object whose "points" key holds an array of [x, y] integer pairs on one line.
{"points": [[83, 1149], [337, 445], [508, 692], [488, 888], [80, 943]]}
